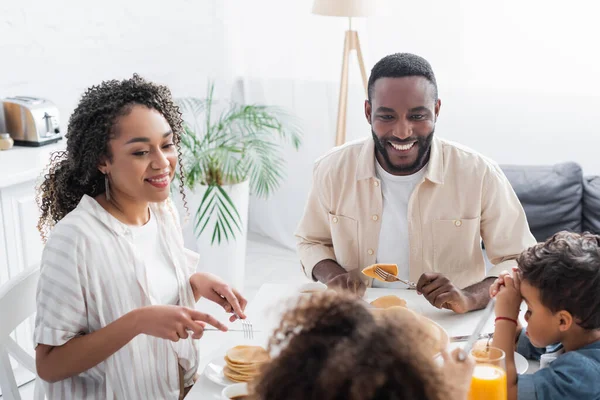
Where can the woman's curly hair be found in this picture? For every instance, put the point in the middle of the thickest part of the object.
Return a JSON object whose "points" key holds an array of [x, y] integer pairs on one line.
{"points": [[74, 172], [333, 348]]}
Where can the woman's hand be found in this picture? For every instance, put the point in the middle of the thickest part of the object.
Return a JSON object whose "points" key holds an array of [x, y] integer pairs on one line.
{"points": [[216, 290], [457, 374], [174, 322]]}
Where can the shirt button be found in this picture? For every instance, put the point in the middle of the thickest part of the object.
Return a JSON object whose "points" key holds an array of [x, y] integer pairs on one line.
{"points": [[376, 183], [457, 222], [375, 217], [335, 220], [371, 252]]}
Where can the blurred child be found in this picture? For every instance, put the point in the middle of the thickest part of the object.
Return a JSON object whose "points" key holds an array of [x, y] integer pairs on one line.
{"points": [[559, 280]]}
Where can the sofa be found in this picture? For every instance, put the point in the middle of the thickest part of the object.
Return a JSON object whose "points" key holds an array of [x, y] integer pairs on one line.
{"points": [[556, 197]]}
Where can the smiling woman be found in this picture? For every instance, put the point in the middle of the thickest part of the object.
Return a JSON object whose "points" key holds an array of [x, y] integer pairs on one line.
{"points": [[142, 160], [116, 283], [96, 141]]}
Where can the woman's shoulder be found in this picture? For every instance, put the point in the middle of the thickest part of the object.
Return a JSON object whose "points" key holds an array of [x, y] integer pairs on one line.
{"points": [[77, 224]]}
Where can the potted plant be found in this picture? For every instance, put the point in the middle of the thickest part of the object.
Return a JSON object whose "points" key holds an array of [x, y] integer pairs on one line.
{"points": [[230, 150]]}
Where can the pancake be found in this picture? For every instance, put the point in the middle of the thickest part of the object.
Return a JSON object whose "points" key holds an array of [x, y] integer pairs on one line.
{"points": [[370, 270], [247, 355], [388, 301], [244, 362], [237, 377]]}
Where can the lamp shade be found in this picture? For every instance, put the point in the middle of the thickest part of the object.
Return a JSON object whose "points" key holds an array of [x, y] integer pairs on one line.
{"points": [[344, 8]]}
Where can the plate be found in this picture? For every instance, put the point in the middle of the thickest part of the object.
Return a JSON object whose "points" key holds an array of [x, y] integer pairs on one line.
{"points": [[411, 305], [437, 339], [521, 364], [214, 372], [312, 287]]}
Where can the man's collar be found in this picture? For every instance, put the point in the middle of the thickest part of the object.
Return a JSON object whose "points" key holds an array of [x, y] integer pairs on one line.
{"points": [[365, 168]]}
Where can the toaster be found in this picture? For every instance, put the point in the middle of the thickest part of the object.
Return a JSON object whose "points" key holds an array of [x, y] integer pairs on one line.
{"points": [[31, 121]]}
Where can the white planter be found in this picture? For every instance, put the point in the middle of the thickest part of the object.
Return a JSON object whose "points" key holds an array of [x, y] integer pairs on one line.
{"points": [[228, 259]]}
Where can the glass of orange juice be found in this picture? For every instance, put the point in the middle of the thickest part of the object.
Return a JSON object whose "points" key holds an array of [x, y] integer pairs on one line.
{"points": [[489, 377]]}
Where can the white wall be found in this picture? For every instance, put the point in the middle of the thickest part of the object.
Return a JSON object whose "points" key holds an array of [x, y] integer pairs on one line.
{"points": [[57, 48], [518, 79]]}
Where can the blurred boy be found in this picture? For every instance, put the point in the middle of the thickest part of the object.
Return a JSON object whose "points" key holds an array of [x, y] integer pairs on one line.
{"points": [[559, 280]]}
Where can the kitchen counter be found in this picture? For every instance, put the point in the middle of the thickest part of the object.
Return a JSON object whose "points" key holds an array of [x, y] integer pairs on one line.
{"points": [[22, 164]]}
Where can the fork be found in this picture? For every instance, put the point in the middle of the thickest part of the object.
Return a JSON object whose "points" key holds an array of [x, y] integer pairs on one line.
{"points": [[387, 277], [246, 327]]}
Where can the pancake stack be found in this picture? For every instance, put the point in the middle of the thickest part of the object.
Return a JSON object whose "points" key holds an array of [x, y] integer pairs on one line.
{"points": [[244, 362]]}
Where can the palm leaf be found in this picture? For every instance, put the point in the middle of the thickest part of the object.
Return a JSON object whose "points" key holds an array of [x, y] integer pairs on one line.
{"points": [[227, 146]]}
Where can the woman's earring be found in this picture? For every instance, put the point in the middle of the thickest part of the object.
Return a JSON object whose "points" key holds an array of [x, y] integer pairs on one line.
{"points": [[106, 188]]}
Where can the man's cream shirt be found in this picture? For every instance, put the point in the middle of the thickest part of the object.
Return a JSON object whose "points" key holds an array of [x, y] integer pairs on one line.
{"points": [[463, 199]]}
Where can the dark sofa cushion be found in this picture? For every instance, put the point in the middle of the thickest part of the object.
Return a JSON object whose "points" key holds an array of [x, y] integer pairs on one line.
{"points": [[591, 204], [551, 196]]}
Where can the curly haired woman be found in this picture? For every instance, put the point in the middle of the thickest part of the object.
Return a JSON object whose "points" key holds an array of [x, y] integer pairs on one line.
{"points": [[333, 348], [116, 296]]}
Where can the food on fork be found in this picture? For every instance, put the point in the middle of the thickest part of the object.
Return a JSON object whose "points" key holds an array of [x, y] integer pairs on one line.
{"points": [[388, 301], [244, 362], [389, 268]]}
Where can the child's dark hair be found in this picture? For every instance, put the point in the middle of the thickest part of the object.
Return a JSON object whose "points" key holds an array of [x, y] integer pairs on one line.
{"points": [[333, 348], [566, 271]]}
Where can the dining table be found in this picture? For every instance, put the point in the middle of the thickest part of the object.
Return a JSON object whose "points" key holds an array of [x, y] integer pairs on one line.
{"points": [[265, 310]]}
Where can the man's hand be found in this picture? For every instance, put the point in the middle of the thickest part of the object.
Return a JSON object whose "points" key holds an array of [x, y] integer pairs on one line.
{"points": [[336, 277], [442, 293], [348, 282]]}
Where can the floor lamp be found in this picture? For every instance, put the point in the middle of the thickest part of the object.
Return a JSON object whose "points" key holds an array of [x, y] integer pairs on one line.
{"points": [[349, 9]]}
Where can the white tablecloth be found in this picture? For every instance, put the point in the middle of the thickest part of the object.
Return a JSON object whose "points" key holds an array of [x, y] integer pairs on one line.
{"points": [[265, 310]]}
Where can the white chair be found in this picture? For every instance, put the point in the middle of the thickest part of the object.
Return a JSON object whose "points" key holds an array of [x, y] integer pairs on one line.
{"points": [[17, 303]]}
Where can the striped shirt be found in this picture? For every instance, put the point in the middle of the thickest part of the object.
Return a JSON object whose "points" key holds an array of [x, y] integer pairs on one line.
{"points": [[91, 275]]}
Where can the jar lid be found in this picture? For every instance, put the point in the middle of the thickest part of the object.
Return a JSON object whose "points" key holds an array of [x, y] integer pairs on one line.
{"points": [[4, 135]]}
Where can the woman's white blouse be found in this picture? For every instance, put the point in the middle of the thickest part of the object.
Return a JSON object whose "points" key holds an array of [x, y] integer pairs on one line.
{"points": [[91, 275]]}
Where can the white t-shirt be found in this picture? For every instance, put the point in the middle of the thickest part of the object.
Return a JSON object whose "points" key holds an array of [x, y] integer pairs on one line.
{"points": [[92, 274], [161, 275], [393, 245]]}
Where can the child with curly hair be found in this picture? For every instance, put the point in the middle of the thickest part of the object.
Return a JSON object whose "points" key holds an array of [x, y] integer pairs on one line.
{"points": [[331, 347], [559, 280]]}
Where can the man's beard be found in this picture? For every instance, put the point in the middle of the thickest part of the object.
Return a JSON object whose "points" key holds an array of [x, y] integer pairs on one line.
{"points": [[424, 144]]}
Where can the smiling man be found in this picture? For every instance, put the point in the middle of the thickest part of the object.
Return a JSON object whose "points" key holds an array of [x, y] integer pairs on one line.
{"points": [[409, 198]]}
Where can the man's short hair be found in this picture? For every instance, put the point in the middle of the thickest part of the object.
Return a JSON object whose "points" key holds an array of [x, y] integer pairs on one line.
{"points": [[400, 65]]}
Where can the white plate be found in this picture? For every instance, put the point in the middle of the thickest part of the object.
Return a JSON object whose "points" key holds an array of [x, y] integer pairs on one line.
{"points": [[411, 305], [312, 287], [521, 364], [239, 389], [214, 372]]}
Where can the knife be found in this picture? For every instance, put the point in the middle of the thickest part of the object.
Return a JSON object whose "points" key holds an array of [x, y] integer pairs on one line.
{"points": [[485, 315], [466, 337]]}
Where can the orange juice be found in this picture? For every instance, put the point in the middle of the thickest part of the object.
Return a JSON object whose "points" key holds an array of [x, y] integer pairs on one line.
{"points": [[488, 383]]}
